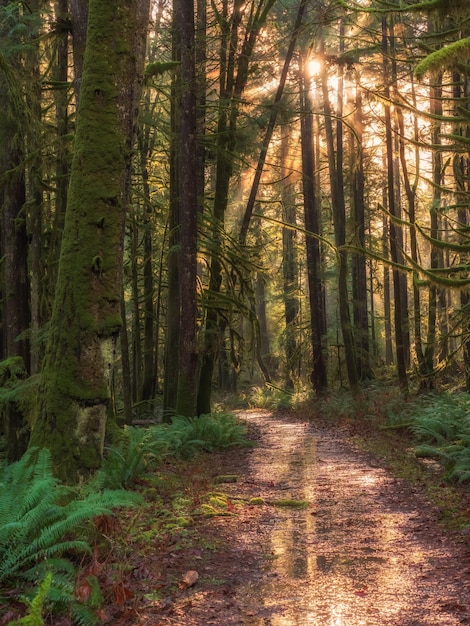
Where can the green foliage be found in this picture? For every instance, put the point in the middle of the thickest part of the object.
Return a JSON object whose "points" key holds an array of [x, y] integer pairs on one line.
{"points": [[443, 428], [270, 397], [447, 57], [140, 449], [129, 459], [158, 69], [42, 525], [186, 436], [15, 388], [36, 605]]}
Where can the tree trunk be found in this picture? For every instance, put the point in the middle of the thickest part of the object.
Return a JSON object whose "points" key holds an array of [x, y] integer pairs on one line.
{"points": [[335, 167], [86, 317], [318, 375], [148, 380], [359, 274], [170, 383], [188, 365], [461, 168], [13, 242], [400, 317], [289, 266]]}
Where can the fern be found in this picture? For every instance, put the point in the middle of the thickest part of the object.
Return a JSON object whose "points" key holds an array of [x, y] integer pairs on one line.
{"points": [[140, 449], [135, 453], [42, 521], [186, 436], [36, 605], [443, 427]]}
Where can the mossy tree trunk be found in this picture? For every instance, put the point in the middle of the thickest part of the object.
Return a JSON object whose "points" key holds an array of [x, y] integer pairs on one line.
{"points": [[181, 358], [86, 317], [15, 296]]}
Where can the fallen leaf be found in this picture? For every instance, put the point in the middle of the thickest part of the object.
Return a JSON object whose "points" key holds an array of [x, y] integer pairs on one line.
{"points": [[189, 579], [361, 592], [230, 507], [122, 593]]}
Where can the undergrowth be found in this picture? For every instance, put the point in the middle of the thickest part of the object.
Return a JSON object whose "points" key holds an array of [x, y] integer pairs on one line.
{"points": [[47, 529], [141, 449], [273, 397], [443, 432], [44, 531]]}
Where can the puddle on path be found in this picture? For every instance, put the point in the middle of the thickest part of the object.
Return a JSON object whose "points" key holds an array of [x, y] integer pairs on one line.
{"points": [[359, 555]]}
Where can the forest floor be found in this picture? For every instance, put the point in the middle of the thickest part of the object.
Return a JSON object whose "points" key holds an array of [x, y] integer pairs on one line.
{"points": [[304, 528]]}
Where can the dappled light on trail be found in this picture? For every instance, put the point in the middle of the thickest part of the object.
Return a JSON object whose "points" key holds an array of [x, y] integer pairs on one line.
{"points": [[357, 554], [317, 534]]}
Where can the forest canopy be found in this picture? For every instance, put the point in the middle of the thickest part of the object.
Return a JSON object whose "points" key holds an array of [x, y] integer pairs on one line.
{"points": [[199, 198]]}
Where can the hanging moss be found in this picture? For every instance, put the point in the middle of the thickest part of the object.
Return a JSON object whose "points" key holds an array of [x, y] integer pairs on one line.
{"points": [[445, 58], [158, 69]]}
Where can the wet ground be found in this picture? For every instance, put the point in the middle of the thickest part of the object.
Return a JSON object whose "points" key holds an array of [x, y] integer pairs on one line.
{"points": [[365, 550]]}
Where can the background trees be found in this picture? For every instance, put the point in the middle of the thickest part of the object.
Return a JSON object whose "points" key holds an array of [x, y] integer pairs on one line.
{"points": [[290, 205]]}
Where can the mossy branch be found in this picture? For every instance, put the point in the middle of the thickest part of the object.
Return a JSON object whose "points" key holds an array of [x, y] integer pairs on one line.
{"points": [[446, 57], [158, 69]]}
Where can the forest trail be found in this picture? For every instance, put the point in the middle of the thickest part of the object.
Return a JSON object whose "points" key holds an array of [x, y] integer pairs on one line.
{"points": [[366, 550]]}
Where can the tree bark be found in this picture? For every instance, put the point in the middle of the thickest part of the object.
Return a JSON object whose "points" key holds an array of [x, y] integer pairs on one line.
{"points": [[400, 317], [335, 168], [289, 265], [15, 305], [86, 318], [359, 268], [318, 374], [188, 370]]}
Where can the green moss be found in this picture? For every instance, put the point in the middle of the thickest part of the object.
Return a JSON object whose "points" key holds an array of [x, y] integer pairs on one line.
{"points": [[157, 69], [226, 478], [218, 502], [447, 57], [257, 501], [290, 504]]}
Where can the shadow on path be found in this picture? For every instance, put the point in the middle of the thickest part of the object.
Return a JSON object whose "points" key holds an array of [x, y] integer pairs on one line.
{"points": [[366, 551]]}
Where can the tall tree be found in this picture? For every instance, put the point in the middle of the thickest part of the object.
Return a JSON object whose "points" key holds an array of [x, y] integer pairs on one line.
{"points": [[335, 151], [396, 246], [86, 317], [14, 118], [289, 264], [359, 271], [182, 357], [188, 179], [318, 374]]}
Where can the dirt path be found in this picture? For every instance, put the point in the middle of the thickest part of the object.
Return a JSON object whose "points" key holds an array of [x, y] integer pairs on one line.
{"points": [[366, 551]]}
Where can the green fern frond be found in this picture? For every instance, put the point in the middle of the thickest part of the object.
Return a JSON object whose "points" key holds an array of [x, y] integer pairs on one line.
{"points": [[129, 459], [41, 521], [444, 429], [36, 605]]}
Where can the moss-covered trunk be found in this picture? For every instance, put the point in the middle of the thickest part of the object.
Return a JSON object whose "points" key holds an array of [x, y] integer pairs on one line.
{"points": [[86, 317], [15, 289]]}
